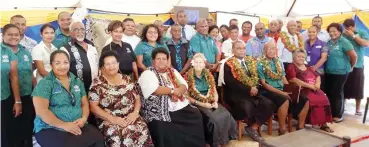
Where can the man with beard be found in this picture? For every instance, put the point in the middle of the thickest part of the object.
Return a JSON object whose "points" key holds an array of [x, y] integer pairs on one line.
{"points": [[62, 34]]}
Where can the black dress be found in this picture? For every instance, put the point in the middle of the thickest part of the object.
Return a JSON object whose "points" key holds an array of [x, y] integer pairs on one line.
{"points": [[126, 56], [257, 109]]}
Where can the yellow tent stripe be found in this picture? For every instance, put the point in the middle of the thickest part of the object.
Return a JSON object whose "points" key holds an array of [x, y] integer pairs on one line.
{"points": [[34, 17], [338, 18], [364, 17], [145, 19]]}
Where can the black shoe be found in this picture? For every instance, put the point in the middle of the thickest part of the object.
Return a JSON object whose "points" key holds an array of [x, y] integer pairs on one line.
{"points": [[253, 134]]}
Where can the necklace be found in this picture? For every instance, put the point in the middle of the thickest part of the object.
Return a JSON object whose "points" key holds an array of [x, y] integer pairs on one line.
{"points": [[240, 74], [268, 70], [194, 93], [291, 46]]}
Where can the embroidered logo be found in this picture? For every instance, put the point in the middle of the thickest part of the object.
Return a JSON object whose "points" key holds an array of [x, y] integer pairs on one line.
{"points": [[76, 88], [128, 50], [5, 58], [26, 58]]}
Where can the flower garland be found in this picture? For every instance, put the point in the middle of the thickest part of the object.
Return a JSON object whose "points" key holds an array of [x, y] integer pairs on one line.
{"points": [[210, 96], [275, 36], [175, 82], [268, 70], [240, 74], [290, 46]]}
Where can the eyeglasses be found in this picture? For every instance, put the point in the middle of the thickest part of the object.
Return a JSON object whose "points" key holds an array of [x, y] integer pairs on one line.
{"points": [[78, 30], [73, 99]]}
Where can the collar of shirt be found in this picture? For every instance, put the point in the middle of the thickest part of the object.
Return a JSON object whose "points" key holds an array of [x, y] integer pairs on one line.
{"points": [[291, 36], [206, 37], [52, 46], [172, 42], [201, 77], [317, 42], [114, 45], [241, 60], [338, 41], [19, 47], [266, 39]]}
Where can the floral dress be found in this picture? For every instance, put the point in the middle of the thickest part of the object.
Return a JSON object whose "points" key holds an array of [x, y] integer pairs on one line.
{"points": [[119, 100]]}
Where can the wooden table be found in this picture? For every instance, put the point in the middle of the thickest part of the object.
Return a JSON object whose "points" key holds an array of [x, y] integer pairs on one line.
{"points": [[307, 137]]}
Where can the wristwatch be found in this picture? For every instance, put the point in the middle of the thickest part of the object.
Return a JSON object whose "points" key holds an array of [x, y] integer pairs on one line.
{"points": [[171, 90], [353, 36], [195, 103]]}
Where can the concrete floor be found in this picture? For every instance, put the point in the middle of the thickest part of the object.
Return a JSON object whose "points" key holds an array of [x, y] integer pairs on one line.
{"points": [[351, 126]]}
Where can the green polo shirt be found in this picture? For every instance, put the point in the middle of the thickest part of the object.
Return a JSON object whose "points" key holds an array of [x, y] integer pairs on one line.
{"points": [[7, 56], [205, 45], [263, 75], [357, 47], [338, 61], [145, 49], [24, 59], [60, 101], [60, 39], [201, 84]]}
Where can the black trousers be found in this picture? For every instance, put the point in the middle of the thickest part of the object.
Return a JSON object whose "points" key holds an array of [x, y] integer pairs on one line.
{"points": [[6, 118], [334, 85], [22, 126], [90, 137]]}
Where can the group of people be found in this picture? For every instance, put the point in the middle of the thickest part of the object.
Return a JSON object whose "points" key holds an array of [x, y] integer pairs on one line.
{"points": [[161, 89]]}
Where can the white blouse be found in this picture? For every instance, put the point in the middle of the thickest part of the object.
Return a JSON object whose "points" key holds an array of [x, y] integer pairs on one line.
{"points": [[41, 53], [149, 83]]}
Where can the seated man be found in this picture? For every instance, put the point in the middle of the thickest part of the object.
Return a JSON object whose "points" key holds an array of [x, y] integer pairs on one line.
{"points": [[272, 77], [241, 81]]}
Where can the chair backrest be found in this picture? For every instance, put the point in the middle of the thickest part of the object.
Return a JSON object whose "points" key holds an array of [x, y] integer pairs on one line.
{"points": [[294, 91]]}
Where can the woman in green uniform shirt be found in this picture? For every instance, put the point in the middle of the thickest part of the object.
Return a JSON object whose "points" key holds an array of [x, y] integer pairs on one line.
{"points": [[22, 126], [150, 40], [62, 108], [11, 37], [341, 60]]}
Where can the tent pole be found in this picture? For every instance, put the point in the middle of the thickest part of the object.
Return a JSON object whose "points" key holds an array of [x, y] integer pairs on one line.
{"points": [[289, 11]]}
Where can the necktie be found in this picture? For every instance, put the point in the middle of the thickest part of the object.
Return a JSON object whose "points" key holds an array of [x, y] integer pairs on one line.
{"points": [[245, 68], [183, 32]]}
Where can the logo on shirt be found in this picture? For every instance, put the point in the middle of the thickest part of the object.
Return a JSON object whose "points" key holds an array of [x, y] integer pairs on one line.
{"points": [[5, 58], [76, 88], [128, 50], [26, 58]]}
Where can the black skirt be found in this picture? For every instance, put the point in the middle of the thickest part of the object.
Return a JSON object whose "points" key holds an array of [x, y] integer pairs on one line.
{"points": [[219, 125], [185, 129], [354, 87], [6, 119]]}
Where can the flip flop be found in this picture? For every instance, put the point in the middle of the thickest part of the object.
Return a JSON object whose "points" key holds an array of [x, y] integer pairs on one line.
{"points": [[359, 113], [338, 120], [327, 129]]}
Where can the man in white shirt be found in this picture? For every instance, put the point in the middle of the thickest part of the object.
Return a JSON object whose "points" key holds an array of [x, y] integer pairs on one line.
{"points": [[20, 22], [323, 35], [286, 47], [129, 34], [187, 30], [227, 45]]}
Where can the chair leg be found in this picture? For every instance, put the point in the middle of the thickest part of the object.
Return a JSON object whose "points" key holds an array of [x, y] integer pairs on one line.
{"points": [[259, 130], [240, 128], [270, 125], [289, 120], [366, 109]]}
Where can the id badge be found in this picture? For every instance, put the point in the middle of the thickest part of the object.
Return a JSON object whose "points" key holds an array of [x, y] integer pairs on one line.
{"points": [[308, 59]]}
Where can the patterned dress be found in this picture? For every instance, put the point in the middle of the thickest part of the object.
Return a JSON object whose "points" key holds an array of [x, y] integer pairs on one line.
{"points": [[119, 100]]}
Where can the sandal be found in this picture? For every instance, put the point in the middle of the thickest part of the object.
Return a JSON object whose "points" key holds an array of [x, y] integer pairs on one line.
{"points": [[327, 129], [358, 113], [282, 132], [338, 120]]}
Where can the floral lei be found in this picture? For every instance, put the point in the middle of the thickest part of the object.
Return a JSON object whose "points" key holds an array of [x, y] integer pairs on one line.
{"points": [[175, 84], [275, 36], [268, 70], [290, 46], [210, 96], [240, 74]]}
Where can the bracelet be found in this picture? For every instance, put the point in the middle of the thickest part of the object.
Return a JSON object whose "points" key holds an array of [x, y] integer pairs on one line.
{"points": [[18, 102], [137, 111]]}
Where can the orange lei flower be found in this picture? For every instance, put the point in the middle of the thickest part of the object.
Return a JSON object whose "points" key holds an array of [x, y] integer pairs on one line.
{"points": [[268, 70], [290, 46], [194, 93], [175, 82], [240, 74]]}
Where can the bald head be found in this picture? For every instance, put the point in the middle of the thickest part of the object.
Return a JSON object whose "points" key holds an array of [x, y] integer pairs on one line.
{"points": [[202, 26], [273, 26], [238, 49], [260, 30], [64, 20], [270, 49], [291, 27]]}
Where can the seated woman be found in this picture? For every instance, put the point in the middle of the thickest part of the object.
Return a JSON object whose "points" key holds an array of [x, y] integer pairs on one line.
{"points": [[320, 109], [116, 104], [219, 124], [62, 108], [171, 120]]}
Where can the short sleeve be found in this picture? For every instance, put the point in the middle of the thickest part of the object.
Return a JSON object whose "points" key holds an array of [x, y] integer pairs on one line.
{"points": [[148, 83], [261, 71], [364, 35], [195, 45], [291, 71], [94, 92], [324, 47], [37, 53], [43, 89], [82, 87], [139, 49], [346, 45]]}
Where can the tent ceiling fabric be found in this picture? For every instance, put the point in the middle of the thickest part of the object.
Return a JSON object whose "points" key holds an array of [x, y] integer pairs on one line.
{"points": [[257, 7]]}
